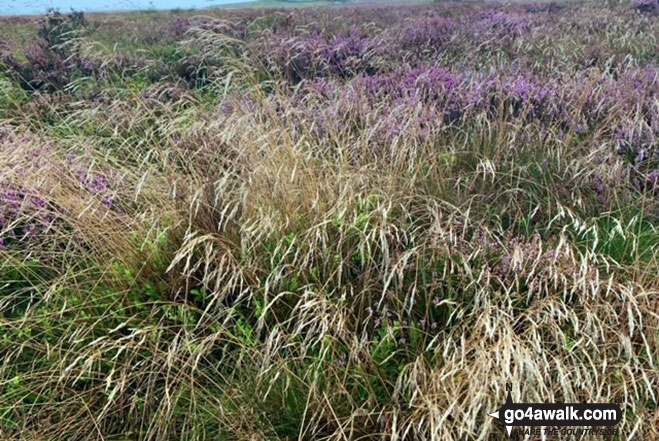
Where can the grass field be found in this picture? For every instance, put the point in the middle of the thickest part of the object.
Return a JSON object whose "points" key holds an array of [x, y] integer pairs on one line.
{"points": [[345, 223]]}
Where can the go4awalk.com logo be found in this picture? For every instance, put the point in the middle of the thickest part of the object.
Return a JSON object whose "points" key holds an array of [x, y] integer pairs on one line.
{"points": [[599, 418]]}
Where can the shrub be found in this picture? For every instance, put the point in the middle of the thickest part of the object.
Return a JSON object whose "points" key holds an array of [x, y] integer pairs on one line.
{"points": [[50, 64]]}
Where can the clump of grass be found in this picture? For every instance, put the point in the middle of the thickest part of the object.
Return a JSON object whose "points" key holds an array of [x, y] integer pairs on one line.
{"points": [[210, 236]]}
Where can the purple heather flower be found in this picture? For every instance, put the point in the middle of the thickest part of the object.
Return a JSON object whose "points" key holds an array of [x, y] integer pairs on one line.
{"points": [[431, 32], [514, 24], [24, 214], [600, 189]]}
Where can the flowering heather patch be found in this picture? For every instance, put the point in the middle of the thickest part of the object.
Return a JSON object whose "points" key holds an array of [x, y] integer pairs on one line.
{"points": [[34, 205], [430, 32], [24, 214], [316, 55], [16, 204], [501, 23], [354, 222]]}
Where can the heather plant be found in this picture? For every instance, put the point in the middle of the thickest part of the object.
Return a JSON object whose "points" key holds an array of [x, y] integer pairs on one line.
{"points": [[429, 33], [50, 63], [355, 222], [56, 28]]}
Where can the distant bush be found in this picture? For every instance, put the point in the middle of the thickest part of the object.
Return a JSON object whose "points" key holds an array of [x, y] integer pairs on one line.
{"points": [[50, 62], [56, 28]]}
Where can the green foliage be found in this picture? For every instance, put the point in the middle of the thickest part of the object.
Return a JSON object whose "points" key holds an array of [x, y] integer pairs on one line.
{"points": [[626, 240]]}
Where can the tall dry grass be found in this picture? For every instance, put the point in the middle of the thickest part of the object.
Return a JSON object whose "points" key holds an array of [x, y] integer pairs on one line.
{"points": [[204, 261]]}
